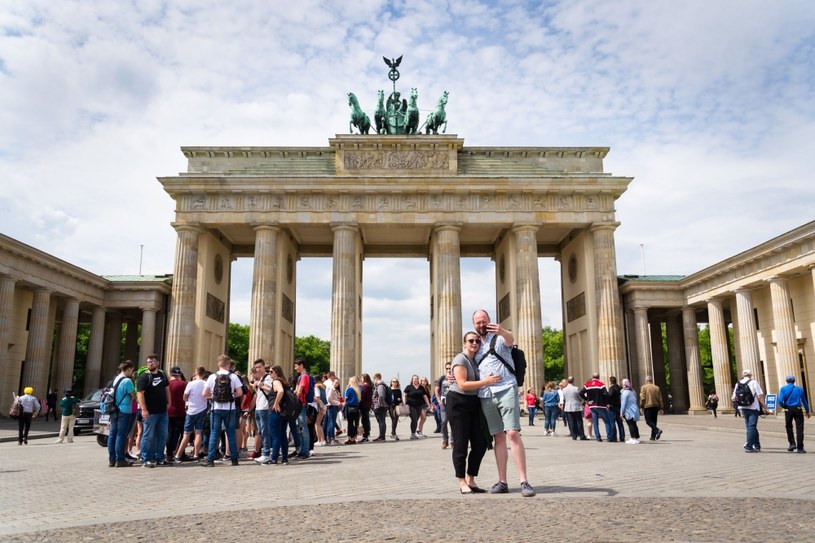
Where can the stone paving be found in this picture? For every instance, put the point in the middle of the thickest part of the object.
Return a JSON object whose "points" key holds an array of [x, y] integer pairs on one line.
{"points": [[695, 484]]}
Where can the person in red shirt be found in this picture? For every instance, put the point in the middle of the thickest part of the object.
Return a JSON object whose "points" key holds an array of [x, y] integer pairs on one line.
{"points": [[176, 412]]}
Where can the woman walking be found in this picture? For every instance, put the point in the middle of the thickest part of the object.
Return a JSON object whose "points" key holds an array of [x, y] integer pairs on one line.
{"points": [[630, 412]]}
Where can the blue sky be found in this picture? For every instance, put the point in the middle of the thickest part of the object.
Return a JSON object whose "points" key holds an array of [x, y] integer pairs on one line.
{"points": [[710, 106]]}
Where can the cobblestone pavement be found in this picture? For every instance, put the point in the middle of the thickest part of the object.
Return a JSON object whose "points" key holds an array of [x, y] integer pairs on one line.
{"points": [[694, 484]]}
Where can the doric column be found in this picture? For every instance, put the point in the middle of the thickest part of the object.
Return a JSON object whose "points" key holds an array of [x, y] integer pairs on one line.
{"points": [[528, 325], [38, 347], [181, 329], [786, 361], [643, 338], [609, 318], [679, 383], [692, 360], [66, 351], [148, 335], [719, 350], [262, 320], [113, 347], [658, 357], [6, 312], [93, 368], [344, 301], [746, 330], [447, 287]]}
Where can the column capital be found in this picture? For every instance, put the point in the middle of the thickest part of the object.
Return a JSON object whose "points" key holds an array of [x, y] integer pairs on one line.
{"points": [[455, 226], [273, 226], [338, 226], [187, 227], [611, 225], [744, 290], [525, 227], [777, 279]]}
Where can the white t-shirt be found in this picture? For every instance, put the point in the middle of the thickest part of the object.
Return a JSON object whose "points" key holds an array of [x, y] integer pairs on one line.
{"points": [[236, 385], [195, 399], [755, 388], [261, 401]]}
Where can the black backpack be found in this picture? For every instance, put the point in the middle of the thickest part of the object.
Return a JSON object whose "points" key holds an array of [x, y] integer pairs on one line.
{"points": [[222, 391], [290, 406], [518, 367], [380, 400], [744, 394]]}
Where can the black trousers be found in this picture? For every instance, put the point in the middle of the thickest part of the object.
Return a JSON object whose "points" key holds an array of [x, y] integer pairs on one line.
{"points": [[574, 419], [175, 429], [24, 424], [795, 414], [651, 414], [394, 419], [381, 415], [633, 429], [415, 413], [365, 415], [464, 415]]}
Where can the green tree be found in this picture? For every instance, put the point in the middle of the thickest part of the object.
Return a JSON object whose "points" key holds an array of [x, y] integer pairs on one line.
{"points": [[553, 354], [316, 351], [237, 346]]}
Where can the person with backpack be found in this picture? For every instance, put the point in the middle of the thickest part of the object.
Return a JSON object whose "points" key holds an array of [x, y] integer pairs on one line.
{"points": [[223, 388], [712, 403], [153, 392], [277, 423], [794, 402], [29, 408], [651, 403], [500, 401], [381, 403], [749, 398], [440, 396], [121, 416]]}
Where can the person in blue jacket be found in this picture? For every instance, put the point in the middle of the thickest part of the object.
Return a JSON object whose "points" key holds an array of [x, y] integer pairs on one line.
{"points": [[792, 399]]}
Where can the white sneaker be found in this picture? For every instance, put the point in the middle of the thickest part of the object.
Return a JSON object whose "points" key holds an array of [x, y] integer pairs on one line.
{"points": [[419, 434], [262, 459], [632, 442]]}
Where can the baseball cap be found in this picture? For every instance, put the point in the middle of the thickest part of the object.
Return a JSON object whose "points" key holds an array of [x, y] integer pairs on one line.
{"points": [[175, 370]]}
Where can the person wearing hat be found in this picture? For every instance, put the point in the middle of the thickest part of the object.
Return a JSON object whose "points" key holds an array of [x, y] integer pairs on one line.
{"points": [[176, 412], [66, 406], [791, 398], [30, 408]]}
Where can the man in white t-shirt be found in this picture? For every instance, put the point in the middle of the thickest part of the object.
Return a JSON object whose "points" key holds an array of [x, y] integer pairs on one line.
{"points": [[196, 412], [223, 388], [262, 383]]}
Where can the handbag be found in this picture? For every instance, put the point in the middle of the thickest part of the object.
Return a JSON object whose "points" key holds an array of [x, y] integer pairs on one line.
{"points": [[402, 410]]}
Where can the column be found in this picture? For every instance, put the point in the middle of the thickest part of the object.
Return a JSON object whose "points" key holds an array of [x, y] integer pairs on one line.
{"points": [[679, 385], [719, 350], [658, 358], [181, 328], [38, 347], [262, 320], [643, 339], [786, 358], [528, 323], [132, 341], [692, 360], [113, 347], [344, 301], [6, 311], [93, 368], [447, 288], [746, 331], [148, 335], [609, 318], [66, 351]]}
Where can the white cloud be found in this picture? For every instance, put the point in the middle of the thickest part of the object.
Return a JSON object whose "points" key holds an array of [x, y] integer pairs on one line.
{"points": [[709, 106]]}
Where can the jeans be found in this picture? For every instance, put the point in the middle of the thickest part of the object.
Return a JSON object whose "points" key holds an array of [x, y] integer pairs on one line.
{"points": [[751, 422], [614, 413], [154, 437], [262, 421], [602, 413], [442, 412], [331, 423], [532, 412], [381, 414], [550, 417], [277, 430], [222, 419], [302, 428], [117, 435]]}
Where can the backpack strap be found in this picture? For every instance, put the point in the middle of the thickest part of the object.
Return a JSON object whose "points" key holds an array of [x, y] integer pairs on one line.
{"points": [[116, 390], [498, 356]]}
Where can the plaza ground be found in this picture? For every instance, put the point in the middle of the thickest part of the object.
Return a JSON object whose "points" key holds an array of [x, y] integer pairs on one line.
{"points": [[695, 484]]}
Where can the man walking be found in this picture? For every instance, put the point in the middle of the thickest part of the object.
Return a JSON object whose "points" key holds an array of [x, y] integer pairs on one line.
{"points": [[749, 398], [651, 403], [792, 399], [500, 402], [153, 392], [595, 394]]}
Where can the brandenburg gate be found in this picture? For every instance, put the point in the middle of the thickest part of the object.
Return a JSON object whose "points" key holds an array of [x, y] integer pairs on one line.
{"points": [[396, 196]]}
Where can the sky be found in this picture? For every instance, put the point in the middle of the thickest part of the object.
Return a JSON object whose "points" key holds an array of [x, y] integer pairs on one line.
{"points": [[709, 106]]}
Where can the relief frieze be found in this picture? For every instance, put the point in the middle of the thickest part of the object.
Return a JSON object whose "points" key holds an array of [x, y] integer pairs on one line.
{"points": [[396, 160]]}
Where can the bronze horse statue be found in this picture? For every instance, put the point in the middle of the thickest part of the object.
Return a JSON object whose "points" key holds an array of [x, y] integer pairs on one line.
{"points": [[412, 113], [379, 114], [358, 117], [438, 116]]}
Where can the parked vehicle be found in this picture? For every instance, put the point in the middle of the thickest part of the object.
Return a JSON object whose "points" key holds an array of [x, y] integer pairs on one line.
{"points": [[85, 418]]}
